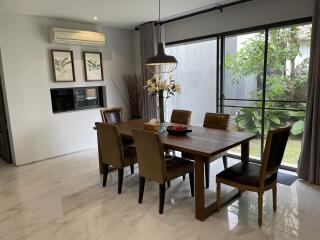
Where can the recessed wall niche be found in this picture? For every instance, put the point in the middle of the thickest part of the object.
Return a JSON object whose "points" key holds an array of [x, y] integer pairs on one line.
{"points": [[74, 99]]}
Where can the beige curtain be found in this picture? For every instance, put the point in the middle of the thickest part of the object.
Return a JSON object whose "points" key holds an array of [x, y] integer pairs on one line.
{"points": [[309, 164], [148, 44]]}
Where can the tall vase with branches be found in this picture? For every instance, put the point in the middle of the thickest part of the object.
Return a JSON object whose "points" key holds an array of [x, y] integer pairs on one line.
{"points": [[163, 89], [134, 85]]}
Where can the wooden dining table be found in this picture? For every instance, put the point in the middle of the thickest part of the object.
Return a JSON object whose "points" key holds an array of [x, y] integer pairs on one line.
{"points": [[202, 144]]}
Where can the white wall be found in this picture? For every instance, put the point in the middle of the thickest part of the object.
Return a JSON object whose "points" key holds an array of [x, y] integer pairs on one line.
{"points": [[36, 132], [254, 13]]}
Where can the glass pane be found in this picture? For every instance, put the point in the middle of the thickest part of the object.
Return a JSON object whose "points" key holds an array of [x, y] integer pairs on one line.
{"points": [[243, 82], [288, 64], [246, 120], [286, 86], [243, 66], [196, 73]]}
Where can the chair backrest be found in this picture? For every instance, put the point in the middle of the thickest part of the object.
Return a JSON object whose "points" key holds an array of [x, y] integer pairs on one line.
{"points": [[216, 121], [150, 154], [110, 144], [273, 152], [180, 117], [111, 115]]}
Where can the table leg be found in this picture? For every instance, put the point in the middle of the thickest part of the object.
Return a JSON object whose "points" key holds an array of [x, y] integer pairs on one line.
{"points": [[202, 212], [245, 152], [199, 190]]}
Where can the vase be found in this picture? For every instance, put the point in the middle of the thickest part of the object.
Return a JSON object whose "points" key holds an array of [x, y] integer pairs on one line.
{"points": [[161, 107]]}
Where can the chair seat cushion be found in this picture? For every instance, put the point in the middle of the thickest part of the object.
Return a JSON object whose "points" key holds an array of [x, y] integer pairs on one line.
{"points": [[246, 174], [177, 167]]}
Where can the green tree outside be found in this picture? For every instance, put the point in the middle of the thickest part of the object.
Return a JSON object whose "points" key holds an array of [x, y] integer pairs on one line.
{"points": [[286, 77]]}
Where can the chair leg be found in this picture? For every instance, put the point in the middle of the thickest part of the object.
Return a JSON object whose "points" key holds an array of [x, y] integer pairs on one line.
{"points": [[132, 168], [162, 193], [274, 196], [120, 180], [105, 174], [225, 162], [191, 179], [218, 196], [169, 184], [142, 181], [207, 173], [184, 177], [260, 203]]}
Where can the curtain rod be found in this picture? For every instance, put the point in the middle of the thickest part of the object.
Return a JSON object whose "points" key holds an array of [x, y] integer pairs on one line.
{"points": [[215, 8]]}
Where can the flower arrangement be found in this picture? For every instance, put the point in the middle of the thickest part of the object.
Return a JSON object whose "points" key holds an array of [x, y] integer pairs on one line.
{"points": [[164, 89], [156, 85]]}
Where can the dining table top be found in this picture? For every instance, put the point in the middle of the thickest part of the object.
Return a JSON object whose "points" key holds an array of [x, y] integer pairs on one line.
{"points": [[205, 142]]}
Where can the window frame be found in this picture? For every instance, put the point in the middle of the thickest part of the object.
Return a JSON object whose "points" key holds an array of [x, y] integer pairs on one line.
{"points": [[220, 67]]}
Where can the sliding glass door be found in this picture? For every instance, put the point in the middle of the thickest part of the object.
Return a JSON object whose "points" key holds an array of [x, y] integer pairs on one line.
{"points": [[197, 76], [266, 88], [259, 77], [242, 84], [286, 83]]}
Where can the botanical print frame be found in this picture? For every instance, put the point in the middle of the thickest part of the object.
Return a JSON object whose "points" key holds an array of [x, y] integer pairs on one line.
{"points": [[93, 66], [63, 65]]}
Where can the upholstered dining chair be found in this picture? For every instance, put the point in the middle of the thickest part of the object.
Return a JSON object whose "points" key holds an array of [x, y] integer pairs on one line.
{"points": [[253, 177], [153, 165], [180, 117], [113, 116], [113, 152], [215, 121]]}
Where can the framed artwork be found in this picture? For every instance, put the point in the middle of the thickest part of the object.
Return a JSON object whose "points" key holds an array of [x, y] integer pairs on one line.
{"points": [[63, 66], [93, 66]]}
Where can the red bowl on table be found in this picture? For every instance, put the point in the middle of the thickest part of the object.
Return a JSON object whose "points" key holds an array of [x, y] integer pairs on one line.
{"points": [[178, 130]]}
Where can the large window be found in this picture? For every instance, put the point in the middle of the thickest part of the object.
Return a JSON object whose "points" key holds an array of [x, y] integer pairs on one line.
{"points": [[266, 88], [197, 76], [262, 82], [242, 86]]}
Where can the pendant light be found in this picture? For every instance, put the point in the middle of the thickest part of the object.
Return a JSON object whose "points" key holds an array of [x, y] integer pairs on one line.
{"points": [[161, 63]]}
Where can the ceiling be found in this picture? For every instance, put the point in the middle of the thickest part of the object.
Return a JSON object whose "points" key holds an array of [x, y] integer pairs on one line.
{"points": [[117, 13]]}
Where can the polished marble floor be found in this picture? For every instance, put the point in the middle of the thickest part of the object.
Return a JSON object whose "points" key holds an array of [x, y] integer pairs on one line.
{"points": [[62, 198]]}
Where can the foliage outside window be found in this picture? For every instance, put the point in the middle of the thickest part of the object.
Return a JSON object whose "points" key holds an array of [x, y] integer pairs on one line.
{"points": [[287, 75]]}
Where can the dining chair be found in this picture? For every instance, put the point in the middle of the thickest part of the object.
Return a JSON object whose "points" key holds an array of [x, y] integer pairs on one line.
{"points": [[215, 121], [180, 117], [247, 176], [113, 116], [153, 165], [113, 152]]}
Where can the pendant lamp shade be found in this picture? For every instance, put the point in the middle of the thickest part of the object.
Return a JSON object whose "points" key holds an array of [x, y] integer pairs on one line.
{"points": [[161, 63]]}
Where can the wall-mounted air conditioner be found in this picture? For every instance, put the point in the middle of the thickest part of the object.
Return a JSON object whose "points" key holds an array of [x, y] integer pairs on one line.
{"points": [[71, 36]]}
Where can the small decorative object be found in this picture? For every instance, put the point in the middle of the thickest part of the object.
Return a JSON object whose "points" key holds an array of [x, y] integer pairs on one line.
{"points": [[161, 63], [93, 66], [63, 66], [178, 130], [152, 125], [164, 89]]}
